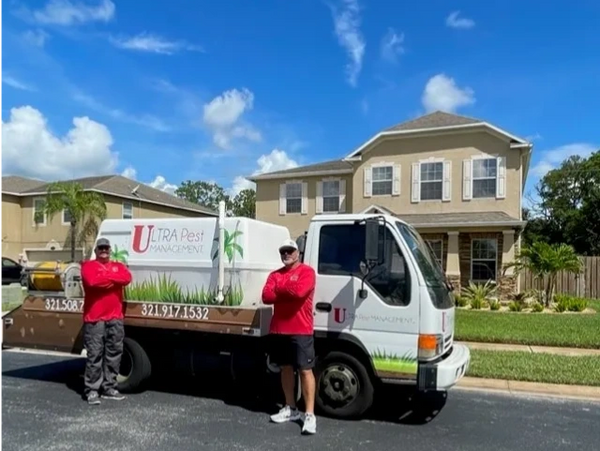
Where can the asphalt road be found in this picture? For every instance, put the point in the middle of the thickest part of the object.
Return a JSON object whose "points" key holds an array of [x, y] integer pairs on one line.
{"points": [[42, 410]]}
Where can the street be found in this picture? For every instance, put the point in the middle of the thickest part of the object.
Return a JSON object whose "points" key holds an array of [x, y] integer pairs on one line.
{"points": [[42, 410]]}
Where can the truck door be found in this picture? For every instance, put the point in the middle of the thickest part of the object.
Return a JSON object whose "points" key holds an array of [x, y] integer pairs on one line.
{"points": [[386, 321]]}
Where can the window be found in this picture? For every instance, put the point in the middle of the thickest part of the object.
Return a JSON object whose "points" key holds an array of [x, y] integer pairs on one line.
{"points": [[66, 217], [437, 247], [382, 180], [341, 251], [432, 177], [331, 196], [484, 253], [8, 263], [484, 177], [293, 197], [38, 205], [127, 210]]}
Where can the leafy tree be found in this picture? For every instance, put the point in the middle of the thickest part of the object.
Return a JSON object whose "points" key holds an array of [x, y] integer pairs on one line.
{"points": [[203, 193], [244, 204], [83, 208], [545, 261]]}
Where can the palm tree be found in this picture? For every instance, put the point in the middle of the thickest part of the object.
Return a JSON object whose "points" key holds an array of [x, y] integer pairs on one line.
{"points": [[545, 261], [83, 208]]}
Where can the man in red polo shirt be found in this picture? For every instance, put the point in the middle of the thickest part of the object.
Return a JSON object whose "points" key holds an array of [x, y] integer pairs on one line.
{"points": [[290, 289], [103, 330]]}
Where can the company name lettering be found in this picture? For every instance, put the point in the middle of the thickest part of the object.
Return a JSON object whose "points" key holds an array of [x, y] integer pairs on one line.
{"points": [[167, 240]]}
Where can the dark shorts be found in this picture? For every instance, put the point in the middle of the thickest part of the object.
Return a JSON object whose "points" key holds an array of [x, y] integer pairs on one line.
{"points": [[297, 351]]}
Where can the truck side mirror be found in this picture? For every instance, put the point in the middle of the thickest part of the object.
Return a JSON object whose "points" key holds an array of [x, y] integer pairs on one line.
{"points": [[372, 251]]}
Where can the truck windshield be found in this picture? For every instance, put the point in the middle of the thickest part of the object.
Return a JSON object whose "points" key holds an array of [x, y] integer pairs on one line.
{"points": [[431, 270]]}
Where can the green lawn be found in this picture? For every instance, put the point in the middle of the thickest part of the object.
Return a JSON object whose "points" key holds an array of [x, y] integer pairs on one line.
{"points": [[524, 366], [576, 330]]}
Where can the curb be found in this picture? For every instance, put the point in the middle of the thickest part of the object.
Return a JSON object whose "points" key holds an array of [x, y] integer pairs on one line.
{"points": [[572, 352], [579, 392]]}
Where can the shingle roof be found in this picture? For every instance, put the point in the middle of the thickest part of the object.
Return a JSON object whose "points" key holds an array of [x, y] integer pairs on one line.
{"points": [[447, 219], [435, 120], [116, 185], [333, 165]]}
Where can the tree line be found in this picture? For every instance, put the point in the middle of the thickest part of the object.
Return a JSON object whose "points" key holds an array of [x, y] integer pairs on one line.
{"points": [[210, 194]]}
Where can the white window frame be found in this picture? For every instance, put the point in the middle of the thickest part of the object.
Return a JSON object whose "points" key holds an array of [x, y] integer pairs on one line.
{"points": [[437, 240], [341, 196], [45, 221], [474, 179], [332, 197], [63, 218], [390, 181], [495, 260], [469, 180], [446, 180], [283, 197], [287, 212], [123, 215], [421, 181]]}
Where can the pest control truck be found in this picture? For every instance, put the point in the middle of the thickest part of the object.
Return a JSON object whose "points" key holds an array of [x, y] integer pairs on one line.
{"points": [[383, 310]]}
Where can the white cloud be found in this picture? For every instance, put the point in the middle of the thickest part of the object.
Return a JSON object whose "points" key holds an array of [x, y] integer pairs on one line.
{"points": [[85, 150], [442, 93], [223, 114], [36, 37], [391, 45], [17, 84], [346, 22], [146, 120], [453, 21], [552, 158], [277, 160], [66, 12], [159, 181], [146, 42]]}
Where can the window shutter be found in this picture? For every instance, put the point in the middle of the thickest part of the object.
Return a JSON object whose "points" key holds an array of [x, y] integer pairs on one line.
{"points": [[368, 183], [396, 180], [447, 184], [501, 178], [304, 198], [416, 185], [342, 196], [467, 179], [282, 203], [319, 207]]}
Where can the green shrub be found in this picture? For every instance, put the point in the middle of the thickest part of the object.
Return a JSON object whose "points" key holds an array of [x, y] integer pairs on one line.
{"points": [[494, 305], [460, 301], [565, 302], [515, 306], [537, 307], [479, 294], [477, 303]]}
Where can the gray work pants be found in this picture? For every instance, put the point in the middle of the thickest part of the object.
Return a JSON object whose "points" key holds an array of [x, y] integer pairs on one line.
{"points": [[103, 342]]}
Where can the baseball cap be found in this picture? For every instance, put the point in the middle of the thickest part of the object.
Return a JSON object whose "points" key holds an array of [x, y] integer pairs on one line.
{"points": [[288, 244], [102, 242]]}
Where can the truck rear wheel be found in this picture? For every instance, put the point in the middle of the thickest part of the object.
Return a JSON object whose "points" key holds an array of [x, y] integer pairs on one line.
{"points": [[344, 387], [135, 367]]}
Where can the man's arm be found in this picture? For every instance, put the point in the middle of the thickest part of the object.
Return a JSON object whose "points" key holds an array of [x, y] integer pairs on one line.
{"points": [[95, 275], [301, 287], [122, 276], [268, 294]]}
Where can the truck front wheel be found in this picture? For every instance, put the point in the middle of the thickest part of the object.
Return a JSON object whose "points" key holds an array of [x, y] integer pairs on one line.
{"points": [[135, 367], [344, 388]]}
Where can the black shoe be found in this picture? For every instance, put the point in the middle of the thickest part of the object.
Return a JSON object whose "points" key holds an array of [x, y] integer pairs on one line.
{"points": [[113, 394], [93, 398]]}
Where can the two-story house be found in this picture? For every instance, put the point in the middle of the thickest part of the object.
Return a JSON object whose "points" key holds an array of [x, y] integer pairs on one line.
{"points": [[458, 180]]}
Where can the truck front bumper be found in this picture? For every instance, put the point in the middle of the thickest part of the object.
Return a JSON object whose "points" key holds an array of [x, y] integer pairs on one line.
{"points": [[443, 374]]}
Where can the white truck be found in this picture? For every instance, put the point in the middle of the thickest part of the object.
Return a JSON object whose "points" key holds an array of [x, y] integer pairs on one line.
{"points": [[383, 310]]}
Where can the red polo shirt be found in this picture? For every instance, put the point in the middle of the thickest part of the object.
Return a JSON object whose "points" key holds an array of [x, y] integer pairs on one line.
{"points": [[103, 285], [291, 291]]}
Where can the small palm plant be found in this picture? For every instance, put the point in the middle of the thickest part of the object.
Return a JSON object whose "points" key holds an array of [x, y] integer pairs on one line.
{"points": [[230, 246], [545, 262], [119, 255], [478, 294], [83, 208]]}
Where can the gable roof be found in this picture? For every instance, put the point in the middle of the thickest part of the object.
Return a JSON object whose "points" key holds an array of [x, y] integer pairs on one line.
{"points": [[435, 120], [333, 167], [115, 185]]}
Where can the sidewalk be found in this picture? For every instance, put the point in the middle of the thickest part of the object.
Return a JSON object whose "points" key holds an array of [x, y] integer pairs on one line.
{"points": [[572, 352]]}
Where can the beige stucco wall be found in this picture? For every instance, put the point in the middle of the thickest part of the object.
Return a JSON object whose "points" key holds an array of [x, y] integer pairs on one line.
{"points": [[453, 147], [19, 231], [267, 203]]}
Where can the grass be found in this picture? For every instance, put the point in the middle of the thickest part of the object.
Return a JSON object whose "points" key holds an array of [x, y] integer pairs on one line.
{"points": [[384, 361], [163, 289], [544, 368], [577, 330]]}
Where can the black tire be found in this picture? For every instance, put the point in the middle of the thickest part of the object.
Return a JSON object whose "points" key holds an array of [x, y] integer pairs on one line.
{"points": [[344, 388], [135, 367]]}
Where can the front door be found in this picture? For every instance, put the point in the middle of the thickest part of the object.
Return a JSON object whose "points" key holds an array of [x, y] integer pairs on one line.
{"points": [[386, 321]]}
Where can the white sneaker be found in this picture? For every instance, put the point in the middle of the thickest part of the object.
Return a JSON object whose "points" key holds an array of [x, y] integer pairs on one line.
{"points": [[286, 414], [310, 424]]}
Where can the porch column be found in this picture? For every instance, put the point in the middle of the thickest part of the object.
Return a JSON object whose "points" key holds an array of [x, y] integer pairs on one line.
{"points": [[453, 261], [508, 280]]}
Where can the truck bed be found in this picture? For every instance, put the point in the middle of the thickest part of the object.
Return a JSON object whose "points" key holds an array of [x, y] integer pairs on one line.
{"points": [[53, 321]]}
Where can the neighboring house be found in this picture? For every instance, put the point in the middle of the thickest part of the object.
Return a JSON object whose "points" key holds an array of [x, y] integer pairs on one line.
{"points": [[459, 181], [48, 239]]}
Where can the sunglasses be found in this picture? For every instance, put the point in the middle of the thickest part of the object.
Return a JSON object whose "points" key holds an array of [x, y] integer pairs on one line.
{"points": [[103, 248], [286, 251]]}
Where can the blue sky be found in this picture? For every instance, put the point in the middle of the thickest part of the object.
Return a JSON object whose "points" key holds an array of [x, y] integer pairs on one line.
{"points": [[169, 91]]}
